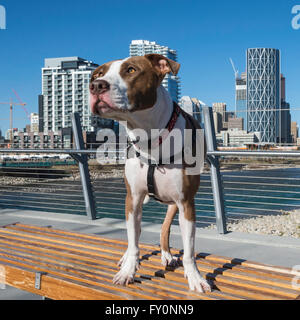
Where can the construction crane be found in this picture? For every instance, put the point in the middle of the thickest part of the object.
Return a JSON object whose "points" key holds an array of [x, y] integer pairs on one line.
{"points": [[236, 72], [21, 103], [11, 105], [236, 76]]}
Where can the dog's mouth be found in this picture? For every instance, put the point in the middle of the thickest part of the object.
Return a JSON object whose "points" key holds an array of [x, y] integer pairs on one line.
{"points": [[101, 105]]}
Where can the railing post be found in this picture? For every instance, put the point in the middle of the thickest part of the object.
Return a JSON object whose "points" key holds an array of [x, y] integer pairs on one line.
{"points": [[216, 181], [83, 168]]}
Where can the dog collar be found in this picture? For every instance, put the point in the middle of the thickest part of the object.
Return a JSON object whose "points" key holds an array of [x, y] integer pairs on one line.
{"points": [[169, 127], [171, 124]]}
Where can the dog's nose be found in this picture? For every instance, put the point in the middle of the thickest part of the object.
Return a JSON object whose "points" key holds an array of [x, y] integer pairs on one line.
{"points": [[99, 86]]}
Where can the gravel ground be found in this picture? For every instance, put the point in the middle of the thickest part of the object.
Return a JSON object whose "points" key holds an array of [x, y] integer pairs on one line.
{"points": [[286, 224]]}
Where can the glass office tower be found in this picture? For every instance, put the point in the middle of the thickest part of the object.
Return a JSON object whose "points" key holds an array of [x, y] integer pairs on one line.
{"points": [[263, 93]]}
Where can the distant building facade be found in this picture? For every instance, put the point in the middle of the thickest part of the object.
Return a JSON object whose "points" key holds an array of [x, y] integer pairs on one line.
{"points": [[65, 89], [263, 93], [241, 98], [294, 131], [219, 115], [52, 140], [34, 122], [237, 138], [236, 123], [192, 106], [285, 115]]}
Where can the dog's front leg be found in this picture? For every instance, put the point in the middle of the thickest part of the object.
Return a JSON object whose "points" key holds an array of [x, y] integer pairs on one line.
{"points": [[187, 222], [130, 262]]}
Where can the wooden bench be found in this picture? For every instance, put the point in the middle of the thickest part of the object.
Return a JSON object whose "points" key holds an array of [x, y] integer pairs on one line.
{"points": [[65, 265]]}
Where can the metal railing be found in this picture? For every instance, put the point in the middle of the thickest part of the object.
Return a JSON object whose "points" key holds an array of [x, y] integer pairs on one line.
{"points": [[228, 191]]}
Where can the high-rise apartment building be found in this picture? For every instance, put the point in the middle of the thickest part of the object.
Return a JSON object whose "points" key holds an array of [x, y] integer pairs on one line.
{"points": [[294, 131], [263, 93], [65, 89], [285, 115], [34, 122], [192, 106], [143, 47], [241, 98], [220, 115]]}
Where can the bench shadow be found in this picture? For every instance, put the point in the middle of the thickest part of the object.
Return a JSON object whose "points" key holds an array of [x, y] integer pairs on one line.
{"points": [[209, 276]]}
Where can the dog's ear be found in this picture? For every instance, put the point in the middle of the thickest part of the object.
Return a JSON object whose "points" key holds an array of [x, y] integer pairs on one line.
{"points": [[163, 65]]}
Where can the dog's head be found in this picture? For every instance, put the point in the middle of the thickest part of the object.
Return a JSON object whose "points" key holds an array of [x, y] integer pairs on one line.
{"points": [[128, 85]]}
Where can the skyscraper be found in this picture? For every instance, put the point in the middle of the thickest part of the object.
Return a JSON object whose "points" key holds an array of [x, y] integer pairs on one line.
{"points": [[65, 89], [220, 116], [263, 93], [285, 116], [241, 98], [192, 106], [34, 122], [143, 47]]}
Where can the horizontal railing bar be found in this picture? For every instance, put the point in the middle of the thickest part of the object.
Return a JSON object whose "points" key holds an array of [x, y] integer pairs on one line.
{"points": [[262, 190], [254, 153], [28, 201], [43, 198], [261, 197], [39, 207], [49, 151], [210, 153], [34, 187], [25, 169], [49, 184], [36, 173], [123, 188], [245, 214], [259, 177], [266, 184], [259, 209], [261, 203], [145, 210]]}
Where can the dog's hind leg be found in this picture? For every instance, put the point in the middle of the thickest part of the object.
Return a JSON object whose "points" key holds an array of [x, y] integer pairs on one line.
{"points": [[166, 257]]}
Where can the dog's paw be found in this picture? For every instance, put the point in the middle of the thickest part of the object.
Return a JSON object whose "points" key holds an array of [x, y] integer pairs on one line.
{"points": [[196, 281], [123, 259], [168, 260], [129, 267], [123, 278]]}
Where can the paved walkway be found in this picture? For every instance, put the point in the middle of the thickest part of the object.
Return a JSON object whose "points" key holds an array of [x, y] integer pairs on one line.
{"points": [[280, 251]]}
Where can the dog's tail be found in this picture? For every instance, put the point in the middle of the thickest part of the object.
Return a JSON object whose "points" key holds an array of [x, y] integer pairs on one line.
{"points": [[147, 199]]}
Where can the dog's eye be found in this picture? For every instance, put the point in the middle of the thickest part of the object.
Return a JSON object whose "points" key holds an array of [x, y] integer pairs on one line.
{"points": [[131, 70]]}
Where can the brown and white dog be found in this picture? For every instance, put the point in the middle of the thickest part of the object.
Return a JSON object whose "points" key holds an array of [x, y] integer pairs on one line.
{"points": [[130, 90]]}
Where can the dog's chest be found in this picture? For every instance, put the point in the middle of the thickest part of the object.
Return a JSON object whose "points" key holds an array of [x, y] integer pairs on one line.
{"points": [[168, 180]]}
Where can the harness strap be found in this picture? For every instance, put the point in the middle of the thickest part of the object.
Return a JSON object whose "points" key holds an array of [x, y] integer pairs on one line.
{"points": [[150, 180], [151, 170]]}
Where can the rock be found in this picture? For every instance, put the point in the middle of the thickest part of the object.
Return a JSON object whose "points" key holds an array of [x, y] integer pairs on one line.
{"points": [[285, 224]]}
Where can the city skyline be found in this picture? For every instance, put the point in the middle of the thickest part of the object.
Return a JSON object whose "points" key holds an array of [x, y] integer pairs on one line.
{"points": [[203, 46]]}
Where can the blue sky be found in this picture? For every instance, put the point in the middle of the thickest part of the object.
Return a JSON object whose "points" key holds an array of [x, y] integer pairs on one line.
{"points": [[205, 33]]}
